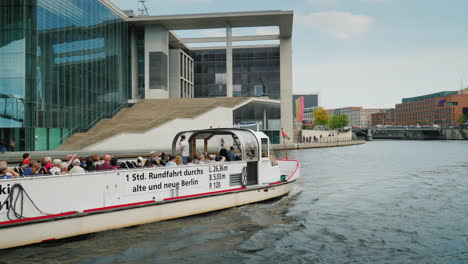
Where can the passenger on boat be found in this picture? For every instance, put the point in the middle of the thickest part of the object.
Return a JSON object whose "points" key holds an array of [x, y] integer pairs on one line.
{"points": [[179, 161], [56, 169], [172, 161], [35, 168], [211, 158], [106, 165], [224, 153], [201, 159], [148, 164], [5, 172], [26, 160], [96, 160], [231, 154], [190, 161], [64, 167], [89, 164], [77, 169], [47, 164], [114, 163], [153, 158], [184, 149]]}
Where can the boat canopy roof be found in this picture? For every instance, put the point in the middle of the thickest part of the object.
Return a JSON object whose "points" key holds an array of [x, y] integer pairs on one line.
{"points": [[245, 141]]}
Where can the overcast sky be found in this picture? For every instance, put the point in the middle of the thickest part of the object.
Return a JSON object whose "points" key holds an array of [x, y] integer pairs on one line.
{"points": [[367, 53]]}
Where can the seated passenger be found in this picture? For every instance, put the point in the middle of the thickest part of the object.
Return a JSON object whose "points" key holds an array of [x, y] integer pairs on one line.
{"points": [[64, 167], [201, 159], [5, 172], [171, 162], [56, 169], [26, 160], [106, 165], [231, 154], [48, 164], [153, 158], [35, 168], [114, 163], [77, 169], [223, 153], [179, 161], [211, 158], [89, 164], [190, 161]]}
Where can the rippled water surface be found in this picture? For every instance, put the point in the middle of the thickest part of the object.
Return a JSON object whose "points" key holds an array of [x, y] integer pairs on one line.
{"points": [[382, 202]]}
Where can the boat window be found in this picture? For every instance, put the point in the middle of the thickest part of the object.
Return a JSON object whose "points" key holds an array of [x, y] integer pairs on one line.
{"points": [[264, 147], [250, 145]]}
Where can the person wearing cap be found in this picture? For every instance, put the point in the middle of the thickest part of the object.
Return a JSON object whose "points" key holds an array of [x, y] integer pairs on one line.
{"points": [[56, 169], [184, 149], [77, 169]]}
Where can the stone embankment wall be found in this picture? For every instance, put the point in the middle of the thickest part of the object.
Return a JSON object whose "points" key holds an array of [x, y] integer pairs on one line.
{"points": [[456, 133], [328, 136]]}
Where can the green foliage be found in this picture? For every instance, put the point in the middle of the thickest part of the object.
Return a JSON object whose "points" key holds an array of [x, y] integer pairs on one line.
{"points": [[321, 117], [462, 119], [338, 121]]}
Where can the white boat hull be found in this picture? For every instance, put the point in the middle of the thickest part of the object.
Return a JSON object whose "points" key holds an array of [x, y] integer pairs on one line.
{"points": [[75, 225]]}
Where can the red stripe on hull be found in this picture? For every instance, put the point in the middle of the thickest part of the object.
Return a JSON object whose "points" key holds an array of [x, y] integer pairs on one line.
{"points": [[116, 206], [37, 218]]}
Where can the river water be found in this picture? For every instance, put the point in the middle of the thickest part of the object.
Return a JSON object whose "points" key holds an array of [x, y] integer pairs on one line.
{"points": [[382, 202]]}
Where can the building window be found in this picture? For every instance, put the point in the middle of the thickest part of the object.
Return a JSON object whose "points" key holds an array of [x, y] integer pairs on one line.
{"points": [[157, 70]]}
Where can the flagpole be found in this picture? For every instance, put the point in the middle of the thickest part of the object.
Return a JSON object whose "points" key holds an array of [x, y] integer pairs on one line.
{"points": [[284, 144]]}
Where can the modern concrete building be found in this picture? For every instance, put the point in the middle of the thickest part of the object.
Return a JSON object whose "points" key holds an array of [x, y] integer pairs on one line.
{"points": [[66, 65]]}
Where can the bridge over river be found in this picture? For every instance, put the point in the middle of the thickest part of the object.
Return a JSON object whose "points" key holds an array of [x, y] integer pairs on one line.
{"points": [[413, 133]]}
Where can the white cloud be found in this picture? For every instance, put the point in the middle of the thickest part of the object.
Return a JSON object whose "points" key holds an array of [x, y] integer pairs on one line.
{"points": [[340, 25], [382, 81], [267, 31]]}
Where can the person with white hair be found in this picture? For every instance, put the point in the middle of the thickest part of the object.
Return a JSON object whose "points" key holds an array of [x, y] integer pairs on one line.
{"points": [[64, 167], [77, 169], [56, 169], [48, 164]]}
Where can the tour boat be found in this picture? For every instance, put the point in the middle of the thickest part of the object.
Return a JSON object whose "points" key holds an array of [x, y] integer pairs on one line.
{"points": [[43, 208]]}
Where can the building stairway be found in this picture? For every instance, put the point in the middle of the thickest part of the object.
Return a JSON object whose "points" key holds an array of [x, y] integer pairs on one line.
{"points": [[145, 115]]}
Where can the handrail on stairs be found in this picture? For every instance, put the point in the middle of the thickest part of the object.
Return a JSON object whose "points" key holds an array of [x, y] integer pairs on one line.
{"points": [[91, 124]]}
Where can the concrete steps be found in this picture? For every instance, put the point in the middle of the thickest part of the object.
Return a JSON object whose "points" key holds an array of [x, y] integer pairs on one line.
{"points": [[146, 115]]}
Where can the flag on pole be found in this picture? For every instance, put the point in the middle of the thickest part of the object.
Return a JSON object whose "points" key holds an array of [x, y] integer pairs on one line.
{"points": [[285, 136]]}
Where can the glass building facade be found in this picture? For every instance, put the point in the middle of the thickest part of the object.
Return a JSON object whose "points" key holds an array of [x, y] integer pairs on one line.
{"points": [[63, 66], [256, 72]]}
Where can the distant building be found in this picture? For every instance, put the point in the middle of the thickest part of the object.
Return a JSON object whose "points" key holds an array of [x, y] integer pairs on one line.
{"points": [[384, 118], [440, 108], [357, 116]]}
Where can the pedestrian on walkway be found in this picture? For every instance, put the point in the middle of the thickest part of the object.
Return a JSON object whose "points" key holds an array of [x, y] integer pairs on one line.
{"points": [[2, 145]]}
